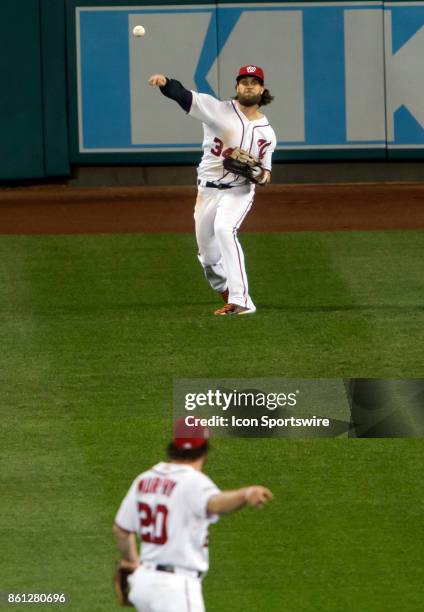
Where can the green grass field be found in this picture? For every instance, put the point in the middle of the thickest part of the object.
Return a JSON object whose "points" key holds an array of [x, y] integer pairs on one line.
{"points": [[93, 331]]}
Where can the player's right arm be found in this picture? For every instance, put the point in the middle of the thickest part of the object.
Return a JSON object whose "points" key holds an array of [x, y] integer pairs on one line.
{"points": [[173, 89], [230, 501], [197, 105]]}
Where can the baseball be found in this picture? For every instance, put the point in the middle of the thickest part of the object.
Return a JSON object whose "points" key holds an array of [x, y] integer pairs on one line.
{"points": [[139, 30]]}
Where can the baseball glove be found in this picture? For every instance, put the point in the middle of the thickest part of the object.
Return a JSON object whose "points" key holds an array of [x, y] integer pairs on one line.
{"points": [[120, 581], [244, 164]]}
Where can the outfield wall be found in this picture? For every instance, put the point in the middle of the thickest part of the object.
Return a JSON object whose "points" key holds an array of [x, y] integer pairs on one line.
{"points": [[33, 100], [347, 78]]}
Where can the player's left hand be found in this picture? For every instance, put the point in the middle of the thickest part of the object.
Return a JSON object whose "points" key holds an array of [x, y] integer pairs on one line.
{"points": [[258, 496], [262, 176], [242, 163], [120, 580]]}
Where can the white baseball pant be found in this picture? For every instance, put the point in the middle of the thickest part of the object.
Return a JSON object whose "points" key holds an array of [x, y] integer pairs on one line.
{"points": [[154, 591], [218, 214]]}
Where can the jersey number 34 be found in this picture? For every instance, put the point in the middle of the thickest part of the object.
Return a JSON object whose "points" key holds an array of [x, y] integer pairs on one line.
{"points": [[217, 150]]}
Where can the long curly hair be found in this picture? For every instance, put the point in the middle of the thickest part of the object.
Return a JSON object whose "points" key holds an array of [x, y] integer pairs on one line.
{"points": [[267, 98]]}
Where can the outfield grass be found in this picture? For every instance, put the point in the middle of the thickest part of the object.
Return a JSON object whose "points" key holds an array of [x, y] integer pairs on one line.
{"points": [[93, 331]]}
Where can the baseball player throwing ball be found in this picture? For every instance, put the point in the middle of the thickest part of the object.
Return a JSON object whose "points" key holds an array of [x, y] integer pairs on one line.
{"points": [[170, 508], [238, 144]]}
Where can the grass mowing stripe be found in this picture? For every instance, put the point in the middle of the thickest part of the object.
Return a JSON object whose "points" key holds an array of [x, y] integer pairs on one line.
{"points": [[305, 307], [370, 282], [95, 328], [386, 278], [52, 522], [341, 534]]}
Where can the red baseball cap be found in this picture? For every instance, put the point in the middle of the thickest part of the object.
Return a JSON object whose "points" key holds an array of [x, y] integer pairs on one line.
{"points": [[187, 437], [253, 71]]}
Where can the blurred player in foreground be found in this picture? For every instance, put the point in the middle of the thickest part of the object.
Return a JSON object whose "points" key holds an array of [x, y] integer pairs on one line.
{"points": [[170, 507]]}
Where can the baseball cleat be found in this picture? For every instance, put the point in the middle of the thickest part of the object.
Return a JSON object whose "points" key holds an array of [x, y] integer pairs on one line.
{"points": [[240, 310], [224, 295], [231, 309]]}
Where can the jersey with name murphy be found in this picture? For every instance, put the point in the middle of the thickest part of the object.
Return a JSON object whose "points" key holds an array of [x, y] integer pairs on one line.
{"points": [[166, 506], [225, 128]]}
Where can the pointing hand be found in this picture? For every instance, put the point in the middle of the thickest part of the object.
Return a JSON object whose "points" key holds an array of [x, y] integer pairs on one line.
{"points": [[258, 496]]}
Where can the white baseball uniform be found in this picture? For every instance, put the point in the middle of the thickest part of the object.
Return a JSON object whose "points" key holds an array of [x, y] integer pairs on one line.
{"points": [[166, 507], [220, 212]]}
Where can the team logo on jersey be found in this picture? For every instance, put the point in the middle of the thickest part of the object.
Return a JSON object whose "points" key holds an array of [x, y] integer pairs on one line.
{"points": [[262, 147]]}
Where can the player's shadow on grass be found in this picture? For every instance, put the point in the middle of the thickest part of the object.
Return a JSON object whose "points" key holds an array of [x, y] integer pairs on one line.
{"points": [[346, 308], [208, 306], [128, 306]]}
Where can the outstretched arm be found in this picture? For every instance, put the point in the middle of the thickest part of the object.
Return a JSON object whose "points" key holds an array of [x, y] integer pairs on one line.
{"points": [[229, 501], [173, 89]]}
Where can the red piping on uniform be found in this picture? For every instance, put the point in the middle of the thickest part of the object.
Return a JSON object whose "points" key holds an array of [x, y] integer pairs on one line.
{"points": [[253, 133], [240, 221], [242, 134], [223, 177], [241, 270], [235, 228]]}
